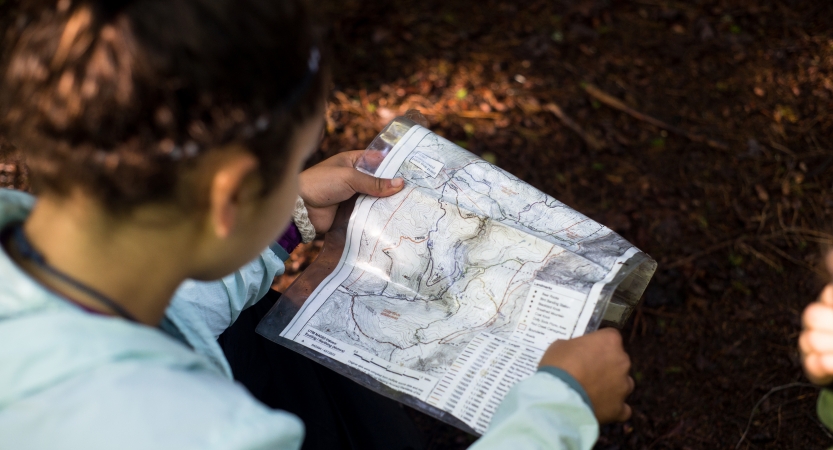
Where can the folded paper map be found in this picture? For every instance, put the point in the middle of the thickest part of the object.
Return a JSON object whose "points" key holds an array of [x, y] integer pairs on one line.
{"points": [[446, 294]]}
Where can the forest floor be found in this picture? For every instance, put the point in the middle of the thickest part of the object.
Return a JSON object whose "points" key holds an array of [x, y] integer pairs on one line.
{"points": [[738, 227], [732, 195]]}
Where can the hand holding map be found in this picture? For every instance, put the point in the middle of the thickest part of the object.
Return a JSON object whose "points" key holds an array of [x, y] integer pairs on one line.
{"points": [[449, 292], [599, 363]]}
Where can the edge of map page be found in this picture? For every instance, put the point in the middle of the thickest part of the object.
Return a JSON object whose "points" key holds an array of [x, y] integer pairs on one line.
{"points": [[353, 232]]}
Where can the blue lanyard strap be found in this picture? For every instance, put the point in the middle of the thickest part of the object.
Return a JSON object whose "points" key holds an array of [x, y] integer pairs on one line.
{"points": [[28, 251]]}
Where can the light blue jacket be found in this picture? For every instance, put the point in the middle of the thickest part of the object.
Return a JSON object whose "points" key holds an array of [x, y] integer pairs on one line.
{"points": [[74, 380]]}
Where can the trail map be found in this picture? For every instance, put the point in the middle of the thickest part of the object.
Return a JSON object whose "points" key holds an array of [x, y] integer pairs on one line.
{"points": [[452, 289]]}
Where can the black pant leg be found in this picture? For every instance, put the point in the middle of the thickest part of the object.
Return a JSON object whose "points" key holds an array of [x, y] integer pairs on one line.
{"points": [[337, 413]]}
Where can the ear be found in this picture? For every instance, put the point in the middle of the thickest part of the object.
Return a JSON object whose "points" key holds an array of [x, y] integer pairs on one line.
{"points": [[231, 186]]}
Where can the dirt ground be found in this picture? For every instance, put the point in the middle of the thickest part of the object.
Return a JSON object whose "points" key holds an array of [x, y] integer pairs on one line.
{"points": [[732, 195], [738, 229]]}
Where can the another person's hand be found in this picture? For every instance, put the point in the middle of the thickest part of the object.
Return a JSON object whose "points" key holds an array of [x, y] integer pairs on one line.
{"points": [[599, 363], [816, 340], [334, 180]]}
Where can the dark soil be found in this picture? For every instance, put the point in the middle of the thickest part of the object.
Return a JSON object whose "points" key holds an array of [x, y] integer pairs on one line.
{"points": [[738, 231]]}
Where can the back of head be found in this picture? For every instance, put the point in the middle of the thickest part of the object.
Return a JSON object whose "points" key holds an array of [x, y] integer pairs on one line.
{"points": [[119, 97]]}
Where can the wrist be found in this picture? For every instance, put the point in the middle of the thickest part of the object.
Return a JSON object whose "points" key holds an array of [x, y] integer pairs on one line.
{"points": [[570, 381]]}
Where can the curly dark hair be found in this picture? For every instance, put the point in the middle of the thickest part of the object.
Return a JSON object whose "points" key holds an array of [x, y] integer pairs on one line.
{"points": [[118, 98]]}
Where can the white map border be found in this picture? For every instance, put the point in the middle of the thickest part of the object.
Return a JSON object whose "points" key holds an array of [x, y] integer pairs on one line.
{"points": [[351, 243]]}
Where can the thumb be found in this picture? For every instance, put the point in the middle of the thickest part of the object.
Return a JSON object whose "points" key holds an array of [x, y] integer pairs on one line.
{"points": [[378, 187], [625, 414]]}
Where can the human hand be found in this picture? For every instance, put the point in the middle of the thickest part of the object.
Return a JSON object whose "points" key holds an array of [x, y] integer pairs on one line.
{"points": [[599, 363], [816, 340], [334, 180]]}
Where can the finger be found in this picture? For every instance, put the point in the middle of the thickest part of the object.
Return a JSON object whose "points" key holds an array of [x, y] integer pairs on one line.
{"points": [[373, 158], [826, 296], [826, 364], [818, 316], [378, 187], [625, 414], [611, 335], [814, 367], [369, 161], [631, 386], [350, 157], [815, 341]]}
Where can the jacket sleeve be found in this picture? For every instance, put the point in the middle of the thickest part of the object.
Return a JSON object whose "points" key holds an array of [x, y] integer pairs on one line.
{"points": [[219, 303], [202, 310], [546, 411]]}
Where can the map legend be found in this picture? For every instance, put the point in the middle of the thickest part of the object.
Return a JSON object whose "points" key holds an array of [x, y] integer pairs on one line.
{"points": [[550, 313]]}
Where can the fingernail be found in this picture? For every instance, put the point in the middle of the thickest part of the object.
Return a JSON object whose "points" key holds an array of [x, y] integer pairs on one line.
{"points": [[397, 182]]}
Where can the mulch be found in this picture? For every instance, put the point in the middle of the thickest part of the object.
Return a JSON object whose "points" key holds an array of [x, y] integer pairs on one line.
{"points": [[729, 187]]}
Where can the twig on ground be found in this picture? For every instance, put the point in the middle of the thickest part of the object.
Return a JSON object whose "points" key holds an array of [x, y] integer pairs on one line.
{"points": [[674, 431], [700, 254], [789, 258], [821, 425], [749, 249], [637, 318], [783, 148], [478, 115], [615, 103], [820, 234], [811, 235], [591, 141], [766, 396]]}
